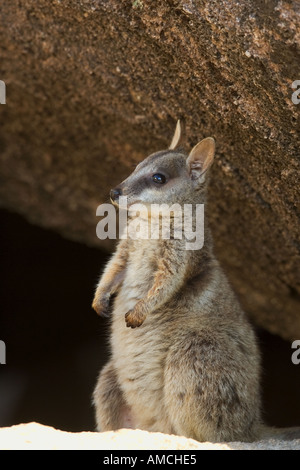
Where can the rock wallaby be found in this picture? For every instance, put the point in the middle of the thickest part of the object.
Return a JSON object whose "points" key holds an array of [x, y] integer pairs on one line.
{"points": [[184, 358]]}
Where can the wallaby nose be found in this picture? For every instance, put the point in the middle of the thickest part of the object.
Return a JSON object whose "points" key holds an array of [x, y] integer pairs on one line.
{"points": [[115, 193]]}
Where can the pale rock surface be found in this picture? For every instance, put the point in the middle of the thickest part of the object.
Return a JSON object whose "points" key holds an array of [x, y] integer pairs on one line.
{"points": [[34, 436]]}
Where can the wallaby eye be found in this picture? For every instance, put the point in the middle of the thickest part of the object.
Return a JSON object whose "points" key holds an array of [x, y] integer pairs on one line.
{"points": [[159, 178]]}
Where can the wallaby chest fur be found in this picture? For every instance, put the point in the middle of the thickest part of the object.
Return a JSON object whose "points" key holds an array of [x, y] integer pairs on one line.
{"points": [[139, 354], [189, 364]]}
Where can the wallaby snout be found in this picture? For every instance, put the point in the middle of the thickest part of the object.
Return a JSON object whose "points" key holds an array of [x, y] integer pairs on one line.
{"points": [[115, 194]]}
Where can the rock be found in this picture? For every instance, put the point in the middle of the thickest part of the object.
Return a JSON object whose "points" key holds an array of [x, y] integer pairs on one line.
{"points": [[35, 436], [92, 87]]}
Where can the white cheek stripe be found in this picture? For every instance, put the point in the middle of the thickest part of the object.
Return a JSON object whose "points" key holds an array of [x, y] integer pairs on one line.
{"points": [[147, 195]]}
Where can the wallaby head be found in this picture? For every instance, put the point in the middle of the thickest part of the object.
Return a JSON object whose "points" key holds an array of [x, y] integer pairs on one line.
{"points": [[169, 176]]}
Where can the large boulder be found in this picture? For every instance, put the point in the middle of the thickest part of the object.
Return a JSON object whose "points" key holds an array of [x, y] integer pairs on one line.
{"points": [[93, 86]]}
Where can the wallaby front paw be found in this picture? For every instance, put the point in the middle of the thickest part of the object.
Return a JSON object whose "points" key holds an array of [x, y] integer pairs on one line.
{"points": [[102, 305], [134, 318]]}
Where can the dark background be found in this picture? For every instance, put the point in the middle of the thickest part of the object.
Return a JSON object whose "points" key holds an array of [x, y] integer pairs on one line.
{"points": [[56, 344]]}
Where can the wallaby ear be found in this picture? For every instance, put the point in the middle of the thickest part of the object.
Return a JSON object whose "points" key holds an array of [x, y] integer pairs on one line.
{"points": [[201, 157], [176, 136]]}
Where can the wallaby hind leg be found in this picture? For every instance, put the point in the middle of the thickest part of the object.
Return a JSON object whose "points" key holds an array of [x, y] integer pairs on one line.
{"points": [[112, 412], [207, 396]]}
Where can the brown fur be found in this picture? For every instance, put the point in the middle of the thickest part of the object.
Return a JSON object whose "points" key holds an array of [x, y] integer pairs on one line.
{"points": [[189, 363]]}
